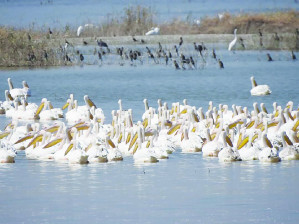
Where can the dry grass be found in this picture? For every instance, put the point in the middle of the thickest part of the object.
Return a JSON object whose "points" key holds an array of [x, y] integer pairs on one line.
{"points": [[21, 48], [280, 22]]}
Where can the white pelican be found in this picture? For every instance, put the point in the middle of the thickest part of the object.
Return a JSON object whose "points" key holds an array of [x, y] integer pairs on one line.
{"points": [[141, 154], [77, 114], [153, 31], [228, 153], [160, 153], [268, 153], [113, 153], [7, 152], [259, 90], [45, 111], [211, 148], [74, 152], [96, 153], [188, 144], [234, 41], [288, 151], [18, 92], [249, 152]]}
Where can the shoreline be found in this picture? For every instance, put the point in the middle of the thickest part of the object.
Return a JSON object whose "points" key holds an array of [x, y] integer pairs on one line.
{"points": [[287, 42], [251, 40]]}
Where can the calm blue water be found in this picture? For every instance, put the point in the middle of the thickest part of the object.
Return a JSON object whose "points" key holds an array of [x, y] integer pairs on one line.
{"points": [[184, 189], [56, 13]]}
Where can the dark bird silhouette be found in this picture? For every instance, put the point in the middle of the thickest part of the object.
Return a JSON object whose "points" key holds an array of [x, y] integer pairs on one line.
{"points": [[260, 33], [148, 50], [142, 41], [169, 54], [67, 44], [220, 64], [67, 58], [31, 57], [181, 41], [153, 57], [242, 42], [100, 56], [183, 59], [84, 42], [150, 54], [46, 55], [269, 57], [214, 54], [166, 59], [81, 57], [176, 50], [160, 47], [198, 48], [192, 61], [293, 56], [134, 39], [176, 64], [131, 55], [50, 33], [261, 38], [102, 43]]}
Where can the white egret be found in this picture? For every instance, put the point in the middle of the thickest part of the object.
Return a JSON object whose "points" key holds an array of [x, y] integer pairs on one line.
{"points": [[234, 41]]}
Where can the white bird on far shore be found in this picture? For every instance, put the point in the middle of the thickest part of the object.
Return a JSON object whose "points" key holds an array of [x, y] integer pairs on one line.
{"points": [[234, 41], [79, 30], [153, 31]]}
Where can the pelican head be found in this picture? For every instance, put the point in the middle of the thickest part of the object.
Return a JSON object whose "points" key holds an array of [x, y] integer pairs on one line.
{"points": [[185, 102], [10, 83], [145, 104], [159, 103], [25, 85], [253, 82]]}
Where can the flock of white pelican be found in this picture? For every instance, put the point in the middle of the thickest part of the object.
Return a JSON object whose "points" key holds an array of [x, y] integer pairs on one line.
{"points": [[78, 133]]}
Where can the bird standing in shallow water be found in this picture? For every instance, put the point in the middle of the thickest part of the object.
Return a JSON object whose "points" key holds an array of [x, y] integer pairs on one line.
{"points": [[102, 43], [81, 57], [220, 64], [176, 50], [192, 62], [100, 56], [176, 64], [214, 54], [234, 41], [293, 56], [181, 41], [269, 57]]}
